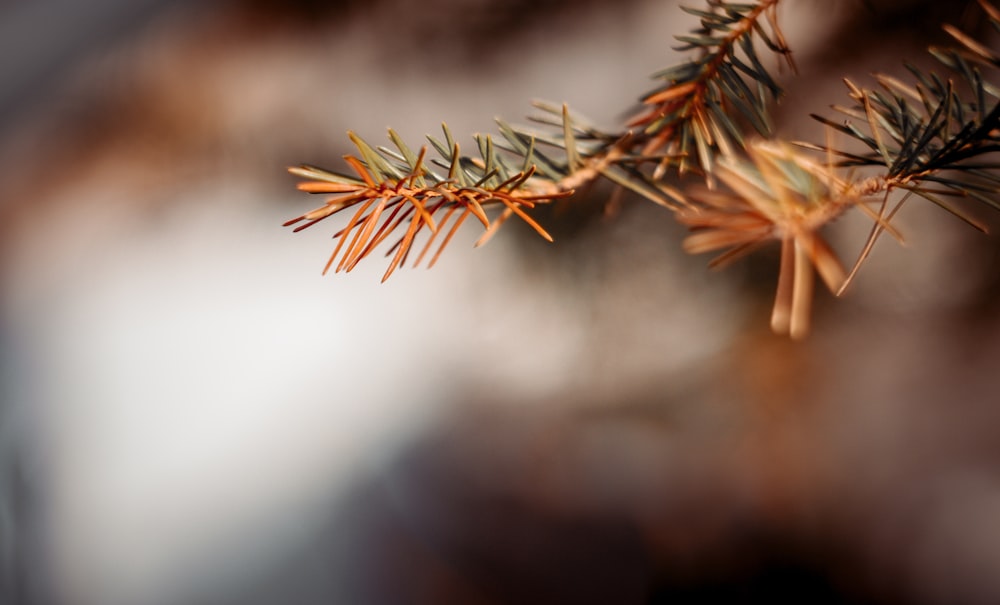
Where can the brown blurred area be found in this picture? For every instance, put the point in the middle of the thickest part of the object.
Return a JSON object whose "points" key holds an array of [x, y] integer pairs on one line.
{"points": [[191, 414]]}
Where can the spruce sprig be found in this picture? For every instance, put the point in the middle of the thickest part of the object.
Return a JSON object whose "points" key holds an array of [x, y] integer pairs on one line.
{"points": [[689, 119], [776, 193], [392, 187], [932, 136], [931, 139], [395, 187]]}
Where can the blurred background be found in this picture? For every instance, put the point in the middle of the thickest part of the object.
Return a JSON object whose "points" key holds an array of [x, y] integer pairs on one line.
{"points": [[190, 414]]}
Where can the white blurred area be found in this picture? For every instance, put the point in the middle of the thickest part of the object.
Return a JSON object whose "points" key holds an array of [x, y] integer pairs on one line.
{"points": [[189, 398]]}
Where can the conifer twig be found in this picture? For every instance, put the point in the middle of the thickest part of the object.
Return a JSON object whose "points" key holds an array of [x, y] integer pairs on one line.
{"points": [[777, 194], [932, 137], [391, 188], [692, 114]]}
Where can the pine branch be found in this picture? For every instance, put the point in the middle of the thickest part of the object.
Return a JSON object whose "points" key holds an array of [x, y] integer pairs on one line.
{"points": [[931, 137], [777, 194], [391, 188], [593, 153], [929, 140], [692, 115]]}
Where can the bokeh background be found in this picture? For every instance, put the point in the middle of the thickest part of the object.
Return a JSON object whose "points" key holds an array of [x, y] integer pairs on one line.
{"points": [[192, 415]]}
